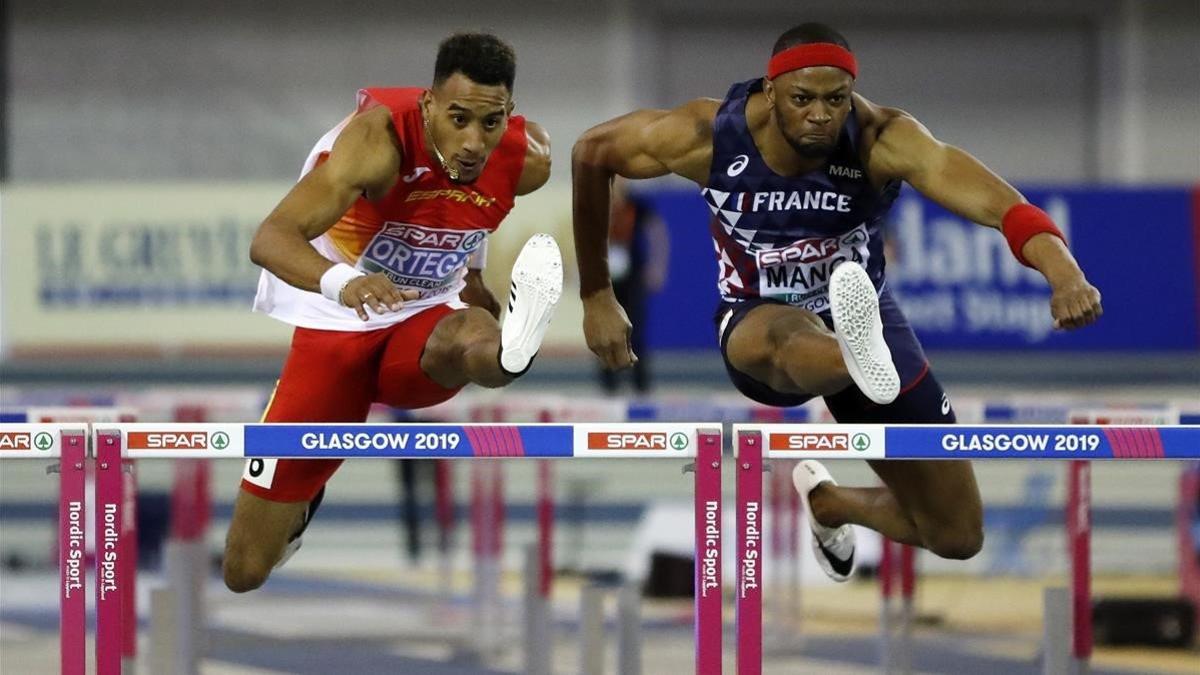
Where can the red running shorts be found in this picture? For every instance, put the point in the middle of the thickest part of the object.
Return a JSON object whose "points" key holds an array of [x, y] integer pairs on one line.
{"points": [[335, 376]]}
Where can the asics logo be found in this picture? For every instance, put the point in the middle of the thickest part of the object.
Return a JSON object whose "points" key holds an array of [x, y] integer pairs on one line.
{"points": [[417, 173], [738, 165], [945, 404]]}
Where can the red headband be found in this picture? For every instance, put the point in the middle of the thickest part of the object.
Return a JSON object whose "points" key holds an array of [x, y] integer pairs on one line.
{"points": [[812, 54]]}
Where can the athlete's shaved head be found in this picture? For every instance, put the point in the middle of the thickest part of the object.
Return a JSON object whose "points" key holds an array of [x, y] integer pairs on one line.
{"points": [[807, 34], [482, 57]]}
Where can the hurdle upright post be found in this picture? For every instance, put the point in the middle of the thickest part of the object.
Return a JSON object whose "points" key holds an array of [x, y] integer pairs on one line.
{"points": [[708, 569], [795, 560], [629, 635], [540, 571], [109, 567], [129, 562], [1056, 630], [748, 594], [445, 513], [72, 620], [1079, 528], [538, 647], [887, 576], [1187, 527], [591, 629], [908, 584], [545, 518], [482, 534], [777, 630]]}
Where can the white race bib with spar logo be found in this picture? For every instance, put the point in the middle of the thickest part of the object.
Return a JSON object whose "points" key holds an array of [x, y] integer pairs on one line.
{"points": [[422, 258], [798, 273]]}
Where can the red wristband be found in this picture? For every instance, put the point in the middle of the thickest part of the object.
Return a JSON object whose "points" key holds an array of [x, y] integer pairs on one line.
{"points": [[1021, 223]]}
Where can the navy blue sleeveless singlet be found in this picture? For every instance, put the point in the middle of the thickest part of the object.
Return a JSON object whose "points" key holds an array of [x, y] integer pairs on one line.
{"points": [[778, 238]]}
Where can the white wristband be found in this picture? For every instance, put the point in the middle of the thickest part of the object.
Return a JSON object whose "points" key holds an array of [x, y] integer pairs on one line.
{"points": [[334, 281]]}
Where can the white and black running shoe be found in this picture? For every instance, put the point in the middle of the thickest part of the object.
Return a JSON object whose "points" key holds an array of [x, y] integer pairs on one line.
{"points": [[833, 546], [537, 281]]}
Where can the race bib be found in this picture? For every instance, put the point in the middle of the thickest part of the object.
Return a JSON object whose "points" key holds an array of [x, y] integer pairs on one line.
{"points": [[260, 471], [798, 274], [421, 258]]}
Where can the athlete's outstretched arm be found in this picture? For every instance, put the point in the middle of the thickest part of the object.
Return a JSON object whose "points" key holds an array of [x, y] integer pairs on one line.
{"points": [[642, 144], [906, 150], [364, 161]]}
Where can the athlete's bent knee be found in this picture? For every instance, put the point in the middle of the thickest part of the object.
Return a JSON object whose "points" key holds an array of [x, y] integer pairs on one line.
{"points": [[961, 543], [439, 353], [245, 572]]}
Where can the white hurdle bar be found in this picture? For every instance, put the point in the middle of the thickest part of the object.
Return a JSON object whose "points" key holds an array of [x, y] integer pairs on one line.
{"points": [[699, 444], [754, 443]]}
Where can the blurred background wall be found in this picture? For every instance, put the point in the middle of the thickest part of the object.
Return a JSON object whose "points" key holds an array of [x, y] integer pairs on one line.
{"points": [[144, 142], [235, 91]]}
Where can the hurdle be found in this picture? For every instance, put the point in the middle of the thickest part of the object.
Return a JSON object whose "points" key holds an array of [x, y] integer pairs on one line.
{"points": [[114, 443], [68, 444], [897, 562], [1067, 642], [697, 444], [784, 630], [87, 516]]}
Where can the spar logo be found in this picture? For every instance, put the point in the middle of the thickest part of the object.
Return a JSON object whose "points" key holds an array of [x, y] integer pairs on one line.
{"points": [[178, 440], [814, 442], [811, 441], [646, 440], [16, 440]]}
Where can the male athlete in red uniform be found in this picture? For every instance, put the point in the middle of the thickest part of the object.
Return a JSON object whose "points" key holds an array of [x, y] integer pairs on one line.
{"points": [[799, 172], [371, 257]]}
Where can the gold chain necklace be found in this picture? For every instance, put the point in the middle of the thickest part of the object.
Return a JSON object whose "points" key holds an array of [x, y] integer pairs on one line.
{"points": [[450, 171]]}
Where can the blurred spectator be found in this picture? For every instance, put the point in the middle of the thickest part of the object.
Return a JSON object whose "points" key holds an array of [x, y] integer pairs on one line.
{"points": [[638, 257]]}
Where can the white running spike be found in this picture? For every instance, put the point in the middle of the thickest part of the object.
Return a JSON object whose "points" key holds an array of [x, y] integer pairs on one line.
{"points": [[854, 305], [537, 280]]}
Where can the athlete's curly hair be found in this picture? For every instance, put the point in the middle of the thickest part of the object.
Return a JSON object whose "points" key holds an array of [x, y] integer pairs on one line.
{"points": [[482, 57], [808, 33]]}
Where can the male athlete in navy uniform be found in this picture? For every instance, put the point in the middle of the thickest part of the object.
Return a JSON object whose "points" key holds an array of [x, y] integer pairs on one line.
{"points": [[799, 171]]}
